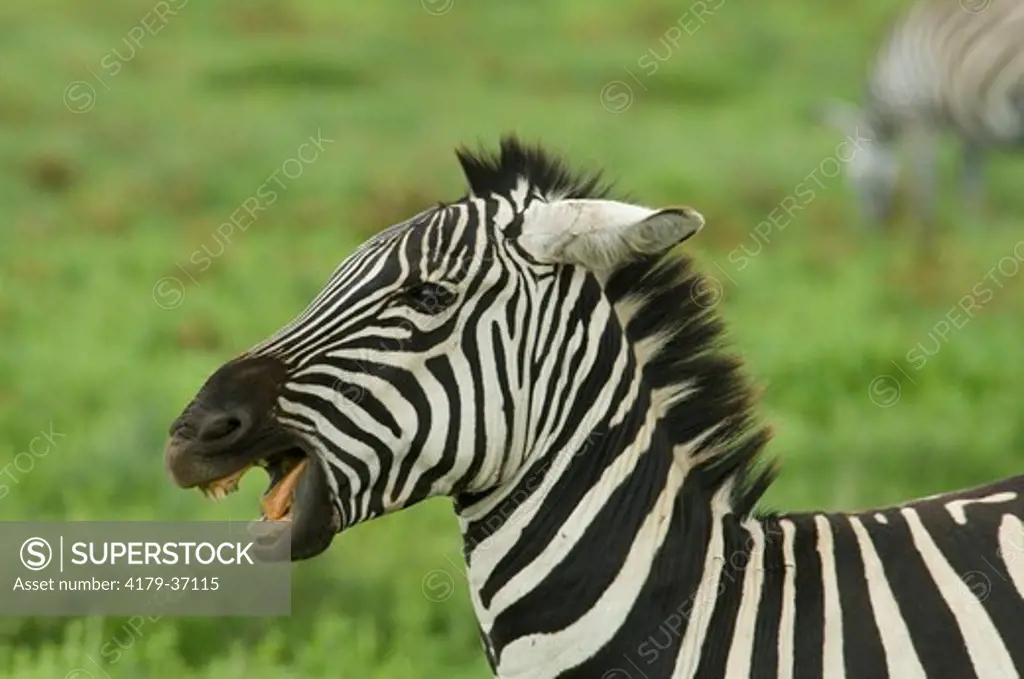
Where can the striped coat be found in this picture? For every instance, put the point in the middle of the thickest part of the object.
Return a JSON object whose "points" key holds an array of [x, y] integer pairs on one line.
{"points": [[535, 353], [945, 67]]}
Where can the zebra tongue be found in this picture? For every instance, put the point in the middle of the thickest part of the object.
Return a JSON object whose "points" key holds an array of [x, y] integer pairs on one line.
{"points": [[278, 500]]}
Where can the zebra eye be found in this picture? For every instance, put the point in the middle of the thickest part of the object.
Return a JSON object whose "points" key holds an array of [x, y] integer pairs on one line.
{"points": [[428, 298]]}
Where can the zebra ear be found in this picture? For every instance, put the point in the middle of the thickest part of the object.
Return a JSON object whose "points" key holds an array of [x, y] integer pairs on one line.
{"points": [[602, 235]]}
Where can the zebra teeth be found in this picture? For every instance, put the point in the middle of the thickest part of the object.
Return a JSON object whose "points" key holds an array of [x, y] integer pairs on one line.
{"points": [[219, 489]]}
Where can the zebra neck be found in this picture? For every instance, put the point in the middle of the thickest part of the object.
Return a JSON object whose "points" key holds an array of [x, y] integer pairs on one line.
{"points": [[559, 560]]}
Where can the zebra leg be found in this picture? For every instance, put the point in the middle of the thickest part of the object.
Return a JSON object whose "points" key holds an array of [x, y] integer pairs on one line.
{"points": [[971, 178], [923, 148]]}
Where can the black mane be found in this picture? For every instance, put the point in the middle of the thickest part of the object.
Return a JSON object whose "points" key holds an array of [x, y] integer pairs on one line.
{"points": [[674, 303], [660, 297], [488, 172]]}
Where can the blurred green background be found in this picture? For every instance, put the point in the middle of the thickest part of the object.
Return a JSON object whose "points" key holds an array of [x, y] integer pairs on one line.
{"points": [[129, 132]]}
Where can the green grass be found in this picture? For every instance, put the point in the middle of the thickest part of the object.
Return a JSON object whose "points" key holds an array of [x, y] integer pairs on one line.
{"points": [[97, 207]]}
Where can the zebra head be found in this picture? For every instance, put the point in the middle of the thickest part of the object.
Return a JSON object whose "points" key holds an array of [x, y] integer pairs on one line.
{"points": [[427, 361], [872, 172]]}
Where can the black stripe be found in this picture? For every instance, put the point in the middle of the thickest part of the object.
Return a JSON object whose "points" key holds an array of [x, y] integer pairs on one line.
{"points": [[567, 360], [470, 346], [575, 585], [932, 627], [567, 492], [440, 367], [764, 662], [507, 399], [719, 639], [973, 551], [809, 602], [647, 643], [349, 394], [863, 653]]}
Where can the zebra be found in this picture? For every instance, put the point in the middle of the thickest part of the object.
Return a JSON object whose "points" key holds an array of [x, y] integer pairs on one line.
{"points": [[945, 66], [538, 352]]}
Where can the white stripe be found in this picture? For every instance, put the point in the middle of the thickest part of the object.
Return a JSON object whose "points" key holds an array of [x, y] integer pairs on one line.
{"points": [[1011, 548], [703, 601], [832, 654], [956, 507], [741, 650], [984, 645], [573, 528], [327, 431], [787, 617], [520, 514], [546, 655], [900, 657]]}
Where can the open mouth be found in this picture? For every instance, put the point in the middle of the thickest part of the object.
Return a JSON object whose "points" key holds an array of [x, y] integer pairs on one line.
{"points": [[284, 469]]}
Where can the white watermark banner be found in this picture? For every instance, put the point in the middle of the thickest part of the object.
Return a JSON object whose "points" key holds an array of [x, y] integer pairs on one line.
{"points": [[136, 568]]}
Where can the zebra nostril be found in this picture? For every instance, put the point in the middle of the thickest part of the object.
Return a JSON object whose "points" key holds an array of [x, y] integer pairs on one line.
{"points": [[221, 426]]}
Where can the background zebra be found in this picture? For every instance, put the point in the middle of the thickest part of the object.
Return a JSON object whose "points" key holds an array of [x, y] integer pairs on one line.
{"points": [[946, 65], [531, 351]]}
